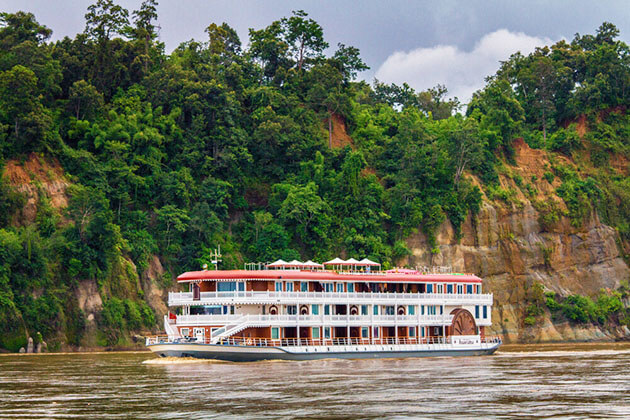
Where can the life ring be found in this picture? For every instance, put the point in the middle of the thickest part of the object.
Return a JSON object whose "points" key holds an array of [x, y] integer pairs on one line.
{"points": [[249, 342]]}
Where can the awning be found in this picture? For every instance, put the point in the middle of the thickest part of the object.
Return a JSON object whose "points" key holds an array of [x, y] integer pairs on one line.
{"points": [[367, 262]]}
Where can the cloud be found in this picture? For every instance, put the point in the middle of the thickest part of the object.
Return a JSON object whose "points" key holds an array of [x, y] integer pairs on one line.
{"points": [[462, 72]]}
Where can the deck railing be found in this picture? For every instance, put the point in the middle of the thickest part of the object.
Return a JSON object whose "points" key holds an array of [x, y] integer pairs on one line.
{"points": [[307, 320], [186, 298], [344, 341]]}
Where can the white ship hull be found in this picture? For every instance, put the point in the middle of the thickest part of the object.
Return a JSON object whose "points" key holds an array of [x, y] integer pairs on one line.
{"points": [[242, 353]]}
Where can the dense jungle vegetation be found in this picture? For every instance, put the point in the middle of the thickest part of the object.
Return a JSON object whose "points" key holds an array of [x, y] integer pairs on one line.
{"points": [[228, 143]]}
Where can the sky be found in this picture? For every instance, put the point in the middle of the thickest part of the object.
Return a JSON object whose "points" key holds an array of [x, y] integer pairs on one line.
{"points": [[423, 43]]}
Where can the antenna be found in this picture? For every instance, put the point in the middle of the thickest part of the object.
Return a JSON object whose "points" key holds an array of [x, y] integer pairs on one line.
{"points": [[215, 257]]}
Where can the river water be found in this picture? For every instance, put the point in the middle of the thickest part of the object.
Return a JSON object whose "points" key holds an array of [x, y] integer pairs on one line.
{"points": [[568, 381]]}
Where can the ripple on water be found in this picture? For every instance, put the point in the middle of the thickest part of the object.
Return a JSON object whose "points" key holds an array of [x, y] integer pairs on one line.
{"points": [[560, 382]]}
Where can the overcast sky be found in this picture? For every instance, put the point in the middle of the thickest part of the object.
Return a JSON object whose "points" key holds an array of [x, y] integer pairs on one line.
{"points": [[456, 43]]}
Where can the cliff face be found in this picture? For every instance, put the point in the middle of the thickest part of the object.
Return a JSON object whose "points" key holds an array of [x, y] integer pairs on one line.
{"points": [[506, 245]]}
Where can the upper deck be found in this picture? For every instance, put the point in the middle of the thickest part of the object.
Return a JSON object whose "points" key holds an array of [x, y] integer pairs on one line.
{"points": [[389, 276]]}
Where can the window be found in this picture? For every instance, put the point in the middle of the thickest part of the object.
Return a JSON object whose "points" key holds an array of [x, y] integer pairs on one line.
{"points": [[326, 332], [185, 332], [292, 309], [389, 310], [485, 312], [316, 332], [375, 334], [326, 309], [315, 309], [412, 331], [422, 331], [275, 333], [449, 288], [289, 286], [364, 309], [241, 286], [375, 309], [441, 310], [339, 287], [460, 289], [231, 309], [469, 289], [226, 286], [304, 287], [225, 309], [422, 310], [477, 311], [411, 310], [429, 288], [351, 287], [278, 286], [328, 287], [365, 333], [439, 288]]}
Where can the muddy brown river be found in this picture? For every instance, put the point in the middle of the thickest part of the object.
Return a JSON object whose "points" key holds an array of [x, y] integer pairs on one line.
{"points": [[559, 381]]}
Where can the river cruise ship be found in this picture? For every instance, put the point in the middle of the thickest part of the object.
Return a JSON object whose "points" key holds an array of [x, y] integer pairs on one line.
{"points": [[339, 309]]}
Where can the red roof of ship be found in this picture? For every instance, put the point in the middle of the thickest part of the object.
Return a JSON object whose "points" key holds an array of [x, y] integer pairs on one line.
{"points": [[416, 277]]}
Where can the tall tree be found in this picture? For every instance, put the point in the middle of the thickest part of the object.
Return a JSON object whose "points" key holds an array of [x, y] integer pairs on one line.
{"points": [[145, 28], [105, 19], [305, 38]]}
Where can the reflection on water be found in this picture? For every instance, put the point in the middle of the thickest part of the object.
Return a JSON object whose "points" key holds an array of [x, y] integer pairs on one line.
{"points": [[522, 382]]}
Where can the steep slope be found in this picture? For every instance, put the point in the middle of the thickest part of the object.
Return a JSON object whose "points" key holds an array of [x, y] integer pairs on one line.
{"points": [[509, 247]]}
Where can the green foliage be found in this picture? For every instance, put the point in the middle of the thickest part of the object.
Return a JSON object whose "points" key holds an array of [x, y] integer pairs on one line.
{"points": [[582, 309], [170, 155]]}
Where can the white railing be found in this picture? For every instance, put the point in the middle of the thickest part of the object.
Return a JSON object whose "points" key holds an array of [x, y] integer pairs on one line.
{"points": [[310, 320], [343, 341], [186, 298]]}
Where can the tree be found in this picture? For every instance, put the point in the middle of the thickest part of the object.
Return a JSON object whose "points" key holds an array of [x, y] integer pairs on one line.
{"points": [[19, 27], [305, 38], [223, 39], [145, 29], [348, 61], [466, 148], [105, 19], [84, 99]]}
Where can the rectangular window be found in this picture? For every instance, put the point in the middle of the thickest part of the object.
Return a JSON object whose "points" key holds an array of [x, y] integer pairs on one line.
{"points": [[226, 286], [326, 332], [365, 333], [315, 332], [469, 289], [485, 312], [304, 286], [375, 309], [329, 287], [275, 333], [185, 332], [225, 309], [449, 288], [326, 309], [429, 288], [241, 286], [422, 330], [375, 332], [441, 310], [339, 287], [389, 310], [412, 310], [289, 286], [477, 312], [278, 286], [422, 310], [460, 289], [315, 309], [292, 309], [231, 309], [350, 287], [364, 309], [412, 331], [439, 288]]}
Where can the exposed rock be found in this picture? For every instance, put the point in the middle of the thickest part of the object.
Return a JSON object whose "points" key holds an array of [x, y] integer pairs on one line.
{"points": [[506, 245], [29, 346], [31, 178], [88, 297], [154, 294]]}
